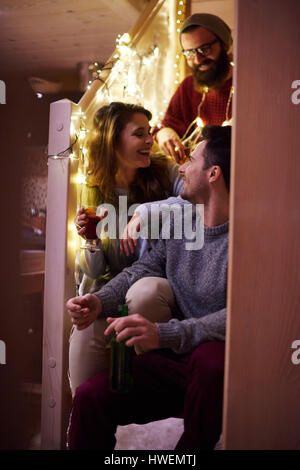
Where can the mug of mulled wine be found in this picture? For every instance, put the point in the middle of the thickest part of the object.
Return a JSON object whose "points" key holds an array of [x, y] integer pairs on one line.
{"points": [[90, 229]]}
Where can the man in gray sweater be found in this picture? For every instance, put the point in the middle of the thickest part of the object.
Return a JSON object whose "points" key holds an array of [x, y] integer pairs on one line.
{"points": [[182, 365]]}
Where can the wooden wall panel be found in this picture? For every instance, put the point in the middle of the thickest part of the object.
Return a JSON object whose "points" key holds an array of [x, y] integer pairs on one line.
{"points": [[59, 280], [262, 386]]}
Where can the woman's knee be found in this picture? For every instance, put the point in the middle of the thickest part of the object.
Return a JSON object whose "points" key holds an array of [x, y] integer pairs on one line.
{"points": [[89, 339], [87, 353]]}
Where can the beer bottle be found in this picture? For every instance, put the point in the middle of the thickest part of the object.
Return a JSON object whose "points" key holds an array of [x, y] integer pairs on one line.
{"points": [[121, 360]]}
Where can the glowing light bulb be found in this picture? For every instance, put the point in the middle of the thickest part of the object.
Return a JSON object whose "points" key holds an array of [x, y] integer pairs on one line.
{"points": [[80, 178], [70, 226], [72, 243], [199, 122], [227, 123], [82, 133], [125, 39], [72, 128]]}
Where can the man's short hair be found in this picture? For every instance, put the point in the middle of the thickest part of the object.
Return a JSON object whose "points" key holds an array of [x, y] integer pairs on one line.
{"points": [[217, 149]]}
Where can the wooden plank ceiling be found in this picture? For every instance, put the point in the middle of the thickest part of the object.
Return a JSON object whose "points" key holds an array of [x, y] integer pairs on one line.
{"points": [[48, 38]]}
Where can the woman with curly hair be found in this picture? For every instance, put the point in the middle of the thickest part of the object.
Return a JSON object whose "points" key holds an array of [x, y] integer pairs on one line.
{"points": [[120, 163]]}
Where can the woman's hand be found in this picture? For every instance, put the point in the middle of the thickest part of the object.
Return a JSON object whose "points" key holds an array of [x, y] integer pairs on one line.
{"points": [[128, 240], [84, 310], [81, 220]]}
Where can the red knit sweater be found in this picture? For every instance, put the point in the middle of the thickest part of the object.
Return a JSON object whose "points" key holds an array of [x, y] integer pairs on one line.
{"points": [[183, 107]]}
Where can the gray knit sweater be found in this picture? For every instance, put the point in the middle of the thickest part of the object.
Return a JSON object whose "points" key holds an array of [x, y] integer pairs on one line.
{"points": [[198, 279]]}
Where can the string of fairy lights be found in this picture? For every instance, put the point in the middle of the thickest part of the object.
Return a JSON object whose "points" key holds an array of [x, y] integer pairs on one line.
{"points": [[128, 70], [181, 14], [126, 61]]}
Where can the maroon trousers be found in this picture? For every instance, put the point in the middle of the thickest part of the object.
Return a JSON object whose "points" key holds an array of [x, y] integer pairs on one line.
{"points": [[165, 385]]}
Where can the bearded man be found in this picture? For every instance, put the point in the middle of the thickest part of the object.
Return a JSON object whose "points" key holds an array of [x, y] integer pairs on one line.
{"points": [[207, 93]]}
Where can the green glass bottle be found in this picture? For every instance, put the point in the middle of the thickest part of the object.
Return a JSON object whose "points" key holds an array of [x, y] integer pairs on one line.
{"points": [[121, 361]]}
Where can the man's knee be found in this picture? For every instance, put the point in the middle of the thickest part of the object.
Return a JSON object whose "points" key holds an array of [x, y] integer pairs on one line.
{"points": [[152, 297], [83, 395], [89, 391], [207, 360], [149, 288]]}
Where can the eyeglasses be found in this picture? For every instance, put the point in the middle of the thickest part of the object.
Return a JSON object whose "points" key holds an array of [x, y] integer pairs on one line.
{"points": [[203, 50]]}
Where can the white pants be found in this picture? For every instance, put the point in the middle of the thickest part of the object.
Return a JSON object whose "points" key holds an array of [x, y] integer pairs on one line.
{"points": [[151, 297]]}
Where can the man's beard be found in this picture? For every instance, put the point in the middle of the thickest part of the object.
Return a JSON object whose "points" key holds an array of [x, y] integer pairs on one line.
{"points": [[215, 76]]}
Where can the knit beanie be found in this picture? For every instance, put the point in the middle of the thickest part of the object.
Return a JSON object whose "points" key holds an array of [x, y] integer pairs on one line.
{"points": [[211, 22]]}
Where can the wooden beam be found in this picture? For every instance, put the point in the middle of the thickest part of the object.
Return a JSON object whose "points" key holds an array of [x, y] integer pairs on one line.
{"points": [[262, 384], [59, 280]]}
